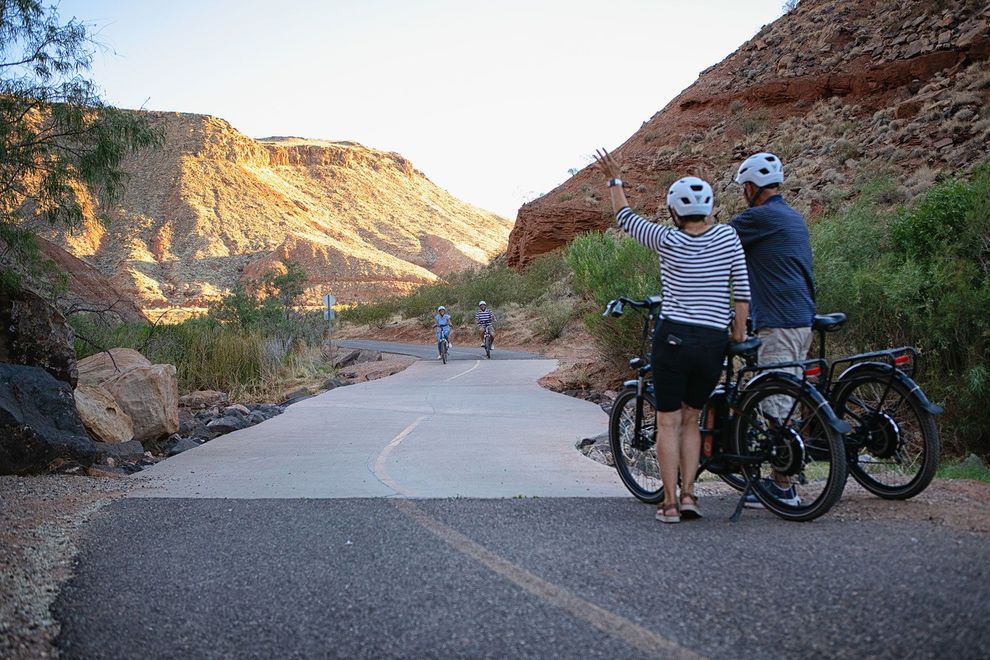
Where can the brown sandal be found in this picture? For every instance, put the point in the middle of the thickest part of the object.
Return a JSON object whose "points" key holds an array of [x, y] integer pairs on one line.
{"points": [[664, 514], [689, 506]]}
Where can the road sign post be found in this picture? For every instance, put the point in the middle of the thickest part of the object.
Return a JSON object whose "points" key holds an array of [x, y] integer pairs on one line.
{"points": [[328, 314]]}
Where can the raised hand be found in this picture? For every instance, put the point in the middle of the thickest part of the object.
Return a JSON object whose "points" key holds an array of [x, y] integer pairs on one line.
{"points": [[606, 164]]}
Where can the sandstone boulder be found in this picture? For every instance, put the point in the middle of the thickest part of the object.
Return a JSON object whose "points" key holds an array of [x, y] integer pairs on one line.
{"points": [[38, 422], [101, 415], [34, 333], [150, 395], [103, 366]]}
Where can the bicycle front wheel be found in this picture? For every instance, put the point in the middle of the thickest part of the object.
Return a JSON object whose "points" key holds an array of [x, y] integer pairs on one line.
{"points": [[791, 456], [894, 444], [443, 351], [635, 455], [488, 346]]}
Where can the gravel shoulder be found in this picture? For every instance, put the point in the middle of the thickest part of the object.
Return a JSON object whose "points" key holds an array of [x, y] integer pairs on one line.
{"points": [[40, 519]]}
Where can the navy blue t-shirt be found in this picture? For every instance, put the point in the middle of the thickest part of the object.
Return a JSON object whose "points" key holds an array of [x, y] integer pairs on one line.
{"points": [[778, 257]]}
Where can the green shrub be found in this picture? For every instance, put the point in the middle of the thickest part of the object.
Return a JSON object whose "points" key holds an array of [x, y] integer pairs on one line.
{"points": [[552, 317], [919, 276], [496, 284], [605, 268]]}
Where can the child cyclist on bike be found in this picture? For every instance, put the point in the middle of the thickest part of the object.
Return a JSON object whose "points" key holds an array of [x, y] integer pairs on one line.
{"points": [[700, 263], [442, 325]]}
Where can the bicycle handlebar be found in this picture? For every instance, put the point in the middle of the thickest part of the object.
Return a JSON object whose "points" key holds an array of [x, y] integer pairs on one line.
{"points": [[615, 307]]}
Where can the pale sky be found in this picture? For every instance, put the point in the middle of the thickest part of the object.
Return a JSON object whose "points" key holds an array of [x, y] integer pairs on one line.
{"points": [[493, 101]]}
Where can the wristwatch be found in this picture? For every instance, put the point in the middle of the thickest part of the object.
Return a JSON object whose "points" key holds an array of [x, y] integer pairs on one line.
{"points": [[614, 182]]}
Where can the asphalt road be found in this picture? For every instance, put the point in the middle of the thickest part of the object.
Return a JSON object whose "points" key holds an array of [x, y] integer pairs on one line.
{"points": [[336, 530]]}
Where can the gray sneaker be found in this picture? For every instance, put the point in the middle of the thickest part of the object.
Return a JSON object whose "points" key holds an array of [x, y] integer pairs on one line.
{"points": [[786, 496]]}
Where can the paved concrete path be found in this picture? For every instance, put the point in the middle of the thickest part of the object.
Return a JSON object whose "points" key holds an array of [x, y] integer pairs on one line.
{"points": [[480, 428], [468, 351]]}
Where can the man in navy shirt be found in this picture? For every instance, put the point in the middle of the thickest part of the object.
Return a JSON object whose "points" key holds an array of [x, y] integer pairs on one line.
{"points": [[782, 286]]}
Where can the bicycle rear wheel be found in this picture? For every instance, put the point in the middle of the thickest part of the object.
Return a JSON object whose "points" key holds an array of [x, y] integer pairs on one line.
{"points": [[783, 434], [443, 350], [894, 443], [635, 456], [488, 346]]}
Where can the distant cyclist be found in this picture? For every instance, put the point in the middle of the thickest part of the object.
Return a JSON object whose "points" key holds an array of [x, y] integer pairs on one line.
{"points": [[485, 318], [442, 325], [778, 255]]}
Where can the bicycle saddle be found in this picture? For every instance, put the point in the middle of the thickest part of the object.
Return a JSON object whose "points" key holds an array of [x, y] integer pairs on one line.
{"points": [[829, 322], [744, 347]]}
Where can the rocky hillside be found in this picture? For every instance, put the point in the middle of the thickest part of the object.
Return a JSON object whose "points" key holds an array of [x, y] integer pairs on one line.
{"points": [[214, 206], [843, 90]]}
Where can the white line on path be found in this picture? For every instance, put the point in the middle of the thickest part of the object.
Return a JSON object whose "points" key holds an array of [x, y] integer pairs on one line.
{"points": [[379, 468], [605, 620], [477, 363]]}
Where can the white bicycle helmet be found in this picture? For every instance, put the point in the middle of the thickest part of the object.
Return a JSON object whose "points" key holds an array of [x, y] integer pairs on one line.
{"points": [[690, 196], [762, 169], [481, 302], [441, 308]]}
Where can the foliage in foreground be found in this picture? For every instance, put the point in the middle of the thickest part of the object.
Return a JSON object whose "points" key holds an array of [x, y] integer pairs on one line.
{"points": [[56, 132], [605, 268], [920, 276]]}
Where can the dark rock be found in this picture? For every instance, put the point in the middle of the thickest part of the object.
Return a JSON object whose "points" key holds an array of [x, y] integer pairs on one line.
{"points": [[189, 423], [334, 383], [123, 452], [256, 418], [181, 445], [34, 333], [269, 410], [38, 422], [345, 358], [227, 424], [296, 396]]}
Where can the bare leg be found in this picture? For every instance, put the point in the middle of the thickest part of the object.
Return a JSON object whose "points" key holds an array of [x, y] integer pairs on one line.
{"points": [[668, 452], [690, 447]]}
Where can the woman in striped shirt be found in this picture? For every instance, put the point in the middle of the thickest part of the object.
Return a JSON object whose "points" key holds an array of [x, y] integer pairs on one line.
{"points": [[703, 275]]}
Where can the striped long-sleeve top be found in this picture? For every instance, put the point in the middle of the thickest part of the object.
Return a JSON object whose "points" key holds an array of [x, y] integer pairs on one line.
{"points": [[697, 272]]}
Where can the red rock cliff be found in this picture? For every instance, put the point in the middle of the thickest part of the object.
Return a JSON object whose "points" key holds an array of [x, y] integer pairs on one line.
{"points": [[840, 89]]}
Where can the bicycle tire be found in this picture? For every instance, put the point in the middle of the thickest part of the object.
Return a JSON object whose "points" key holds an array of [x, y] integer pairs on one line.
{"points": [[638, 468], [802, 443], [443, 351], [488, 346], [893, 449]]}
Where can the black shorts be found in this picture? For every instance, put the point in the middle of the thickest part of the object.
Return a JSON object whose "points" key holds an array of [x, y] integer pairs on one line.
{"points": [[687, 362]]}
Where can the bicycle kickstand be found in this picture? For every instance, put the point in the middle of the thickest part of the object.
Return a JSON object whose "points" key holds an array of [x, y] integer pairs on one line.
{"points": [[742, 500]]}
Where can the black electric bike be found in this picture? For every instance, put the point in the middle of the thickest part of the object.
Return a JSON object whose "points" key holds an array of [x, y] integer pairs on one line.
{"points": [[758, 425], [893, 447]]}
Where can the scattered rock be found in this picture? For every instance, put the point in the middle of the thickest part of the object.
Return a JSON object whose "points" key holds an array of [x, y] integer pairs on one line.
{"points": [[201, 399], [124, 452], [296, 396], [150, 395], [39, 425], [345, 358], [181, 445], [101, 415], [107, 471], [227, 424], [101, 367], [236, 409], [334, 383]]}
